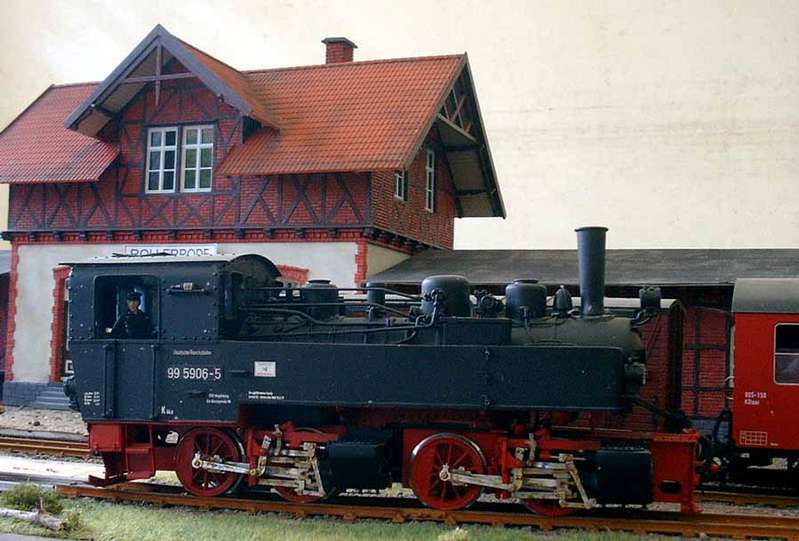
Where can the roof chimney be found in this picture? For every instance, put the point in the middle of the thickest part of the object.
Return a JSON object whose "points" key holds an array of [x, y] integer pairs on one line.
{"points": [[338, 50]]}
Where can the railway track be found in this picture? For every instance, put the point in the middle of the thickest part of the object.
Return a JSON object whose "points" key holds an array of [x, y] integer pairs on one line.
{"points": [[640, 522], [749, 498], [44, 446]]}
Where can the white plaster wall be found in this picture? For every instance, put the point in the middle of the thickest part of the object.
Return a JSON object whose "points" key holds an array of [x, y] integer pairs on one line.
{"points": [[334, 260], [35, 305], [379, 259]]}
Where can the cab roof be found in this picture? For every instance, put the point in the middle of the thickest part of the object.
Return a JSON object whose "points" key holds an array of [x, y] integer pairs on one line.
{"points": [[158, 259], [121, 259]]}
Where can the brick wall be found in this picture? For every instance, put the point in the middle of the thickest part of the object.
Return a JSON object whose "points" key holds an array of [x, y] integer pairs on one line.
{"points": [[337, 52], [59, 322], [705, 362], [4, 283], [409, 218], [698, 385], [10, 319]]}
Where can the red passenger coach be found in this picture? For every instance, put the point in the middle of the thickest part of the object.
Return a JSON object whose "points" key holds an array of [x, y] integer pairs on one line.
{"points": [[766, 370]]}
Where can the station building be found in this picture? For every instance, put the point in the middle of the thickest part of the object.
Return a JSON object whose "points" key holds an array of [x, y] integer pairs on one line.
{"points": [[337, 171]]}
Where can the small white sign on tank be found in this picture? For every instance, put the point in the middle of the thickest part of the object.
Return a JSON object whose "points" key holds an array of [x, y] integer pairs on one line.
{"points": [[183, 250]]}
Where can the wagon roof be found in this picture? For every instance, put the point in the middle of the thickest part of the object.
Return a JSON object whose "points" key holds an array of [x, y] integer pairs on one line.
{"points": [[766, 295]]}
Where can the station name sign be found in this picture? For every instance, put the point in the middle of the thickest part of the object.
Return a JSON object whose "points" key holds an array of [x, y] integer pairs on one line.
{"points": [[183, 250]]}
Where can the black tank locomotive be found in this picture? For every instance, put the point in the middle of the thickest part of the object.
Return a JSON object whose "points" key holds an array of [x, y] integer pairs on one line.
{"points": [[316, 389]]}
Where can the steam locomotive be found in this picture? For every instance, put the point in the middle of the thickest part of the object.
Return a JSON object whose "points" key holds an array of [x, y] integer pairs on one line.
{"points": [[316, 389]]}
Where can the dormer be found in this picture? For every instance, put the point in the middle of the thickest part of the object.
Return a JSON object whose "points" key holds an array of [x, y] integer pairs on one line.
{"points": [[162, 57]]}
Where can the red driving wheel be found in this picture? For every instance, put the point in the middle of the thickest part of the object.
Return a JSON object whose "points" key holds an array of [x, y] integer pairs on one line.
{"points": [[548, 508], [209, 442], [440, 452]]}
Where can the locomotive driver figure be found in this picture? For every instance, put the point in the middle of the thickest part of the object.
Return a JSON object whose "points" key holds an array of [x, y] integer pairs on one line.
{"points": [[134, 323]]}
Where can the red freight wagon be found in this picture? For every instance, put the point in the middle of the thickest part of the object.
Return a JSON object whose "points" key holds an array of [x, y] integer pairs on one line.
{"points": [[765, 414]]}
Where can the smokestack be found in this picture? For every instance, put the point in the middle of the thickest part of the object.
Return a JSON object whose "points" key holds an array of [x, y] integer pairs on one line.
{"points": [[591, 266], [338, 50]]}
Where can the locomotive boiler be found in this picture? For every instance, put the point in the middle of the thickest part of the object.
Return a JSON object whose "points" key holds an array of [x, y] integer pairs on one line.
{"points": [[316, 389]]}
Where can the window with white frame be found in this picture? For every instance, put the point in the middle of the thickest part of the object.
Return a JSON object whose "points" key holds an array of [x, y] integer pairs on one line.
{"points": [[162, 148], [198, 158], [430, 182], [401, 185]]}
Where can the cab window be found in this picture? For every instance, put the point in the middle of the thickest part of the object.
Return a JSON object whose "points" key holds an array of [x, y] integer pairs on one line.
{"points": [[786, 354], [111, 295]]}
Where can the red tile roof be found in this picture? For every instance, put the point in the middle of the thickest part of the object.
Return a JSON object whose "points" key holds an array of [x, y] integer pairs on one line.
{"points": [[238, 82], [354, 116], [357, 116], [36, 147]]}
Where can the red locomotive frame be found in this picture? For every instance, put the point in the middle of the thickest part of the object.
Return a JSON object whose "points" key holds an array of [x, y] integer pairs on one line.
{"points": [[127, 457]]}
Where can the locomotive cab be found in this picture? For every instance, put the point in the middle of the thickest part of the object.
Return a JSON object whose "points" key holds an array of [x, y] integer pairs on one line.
{"points": [[188, 301]]}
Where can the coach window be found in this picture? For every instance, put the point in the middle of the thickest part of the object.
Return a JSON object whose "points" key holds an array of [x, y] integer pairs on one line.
{"points": [[786, 354], [110, 301]]}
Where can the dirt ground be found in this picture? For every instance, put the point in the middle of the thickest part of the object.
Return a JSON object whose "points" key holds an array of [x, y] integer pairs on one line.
{"points": [[22, 418]]}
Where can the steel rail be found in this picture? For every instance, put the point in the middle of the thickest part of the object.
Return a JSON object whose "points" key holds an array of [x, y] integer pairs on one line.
{"points": [[636, 521], [45, 446], [749, 498]]}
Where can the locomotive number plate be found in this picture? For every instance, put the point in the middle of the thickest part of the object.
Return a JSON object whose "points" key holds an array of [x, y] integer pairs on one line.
{"points": [[202, 373], [265, 369]]}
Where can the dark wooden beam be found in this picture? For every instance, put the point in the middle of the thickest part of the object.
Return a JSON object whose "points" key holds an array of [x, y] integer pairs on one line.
{"points": [[158, 73], [155, 78], [460, 103], [462, 148], [103, 110], [466, 135]]}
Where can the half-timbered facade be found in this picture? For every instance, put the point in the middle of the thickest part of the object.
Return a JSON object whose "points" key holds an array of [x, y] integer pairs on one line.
{"points": [[337, 170]]}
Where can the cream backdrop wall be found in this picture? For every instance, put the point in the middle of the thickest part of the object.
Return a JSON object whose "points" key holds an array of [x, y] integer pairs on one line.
{"points": [[674, 123]]}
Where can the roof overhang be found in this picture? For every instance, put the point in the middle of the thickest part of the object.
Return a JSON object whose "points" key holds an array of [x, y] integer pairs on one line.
{"points": [[460, 126], [144, 66]]}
